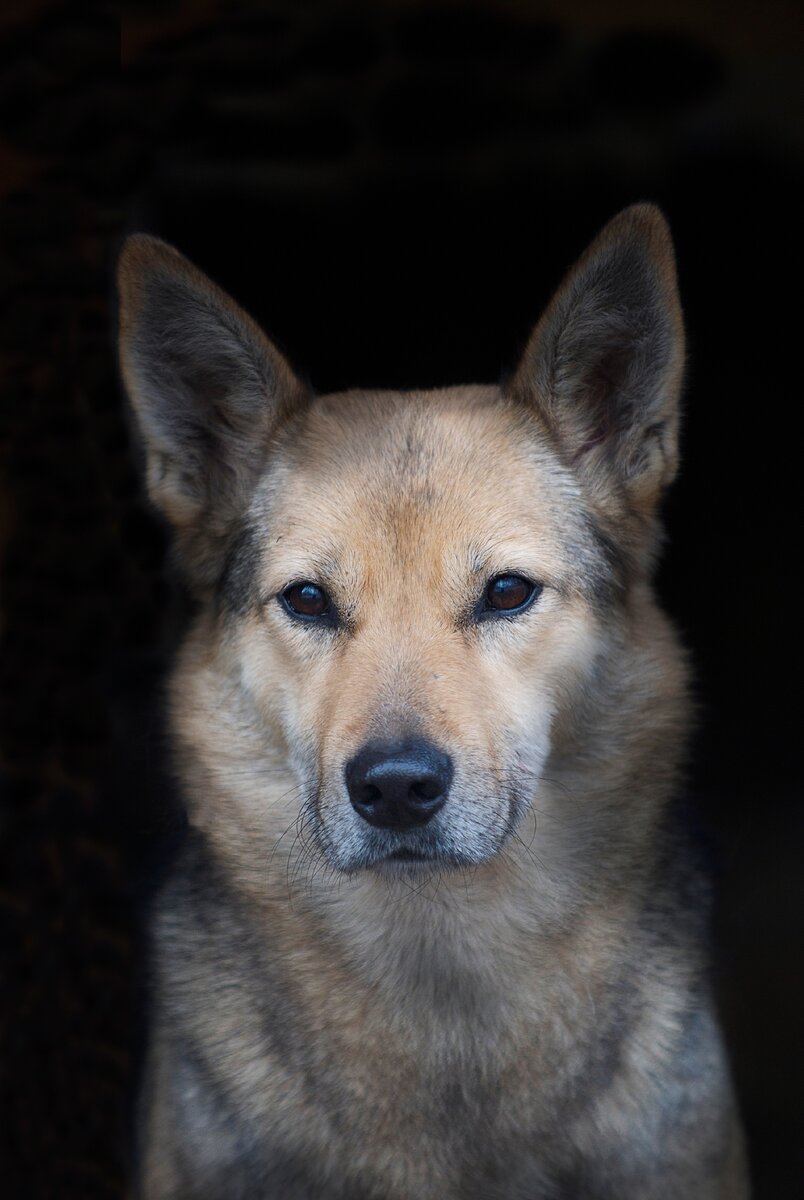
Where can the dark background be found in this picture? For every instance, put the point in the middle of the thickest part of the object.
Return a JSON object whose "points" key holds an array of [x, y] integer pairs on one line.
{"points": [[393, 190]]}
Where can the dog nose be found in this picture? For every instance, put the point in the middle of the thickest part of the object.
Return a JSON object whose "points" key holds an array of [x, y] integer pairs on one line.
{"points": [[398, 786]]}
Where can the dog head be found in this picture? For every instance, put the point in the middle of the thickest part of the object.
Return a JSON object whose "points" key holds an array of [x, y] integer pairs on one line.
{"points": [[410, 603]]}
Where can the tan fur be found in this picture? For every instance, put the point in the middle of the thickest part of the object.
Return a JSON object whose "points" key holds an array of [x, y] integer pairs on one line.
{"points": [[511, 1026]]}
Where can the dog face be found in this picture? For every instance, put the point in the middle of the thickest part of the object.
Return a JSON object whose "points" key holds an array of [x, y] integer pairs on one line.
{"points": [[413, 616], [407, 599]]}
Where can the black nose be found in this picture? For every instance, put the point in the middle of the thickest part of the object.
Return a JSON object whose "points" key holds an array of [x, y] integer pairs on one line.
{"points": [[399, 785]]}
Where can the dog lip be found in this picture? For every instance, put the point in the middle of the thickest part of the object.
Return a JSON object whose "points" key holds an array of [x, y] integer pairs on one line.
{"points": [[404, 855]]}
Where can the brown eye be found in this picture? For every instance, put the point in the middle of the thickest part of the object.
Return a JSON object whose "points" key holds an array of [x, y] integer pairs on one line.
{"points": [[306, 600], [509, 594]]}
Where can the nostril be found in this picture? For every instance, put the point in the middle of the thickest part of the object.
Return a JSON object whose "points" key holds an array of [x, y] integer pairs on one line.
{"points": [[427, 789], [370, 794]]}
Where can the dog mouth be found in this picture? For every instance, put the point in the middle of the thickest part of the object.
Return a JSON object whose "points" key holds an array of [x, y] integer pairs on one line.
{"points": [[408, 856], [453, 840], [407, 860]]}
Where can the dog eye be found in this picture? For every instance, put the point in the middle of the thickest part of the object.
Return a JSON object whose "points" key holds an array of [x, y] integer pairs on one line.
{"points": [[509, 594], [306, 600]]}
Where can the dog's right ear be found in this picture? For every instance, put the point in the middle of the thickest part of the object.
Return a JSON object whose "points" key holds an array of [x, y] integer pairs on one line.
{"points": [[208, 389]]}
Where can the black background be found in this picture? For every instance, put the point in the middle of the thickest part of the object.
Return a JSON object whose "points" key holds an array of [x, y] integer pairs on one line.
{"points": [[393, 190]]}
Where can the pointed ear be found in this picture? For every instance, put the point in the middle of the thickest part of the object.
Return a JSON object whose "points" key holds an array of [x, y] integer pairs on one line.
{"points": [[604, 364], [208, 390]]}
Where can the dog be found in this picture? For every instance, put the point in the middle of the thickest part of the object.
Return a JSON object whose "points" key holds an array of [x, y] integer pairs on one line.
{"points": [[435, 930]]}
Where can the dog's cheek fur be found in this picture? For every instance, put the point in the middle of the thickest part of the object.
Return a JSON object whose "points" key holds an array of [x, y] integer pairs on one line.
{"points": [[535, 674]]}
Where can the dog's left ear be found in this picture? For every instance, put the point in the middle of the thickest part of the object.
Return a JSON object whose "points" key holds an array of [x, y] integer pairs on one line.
{"points": [[603, 366]]}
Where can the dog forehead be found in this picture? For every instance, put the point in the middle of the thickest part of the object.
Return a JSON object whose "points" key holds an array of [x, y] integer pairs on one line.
{"points": [[384, 457], [433, 485]]}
